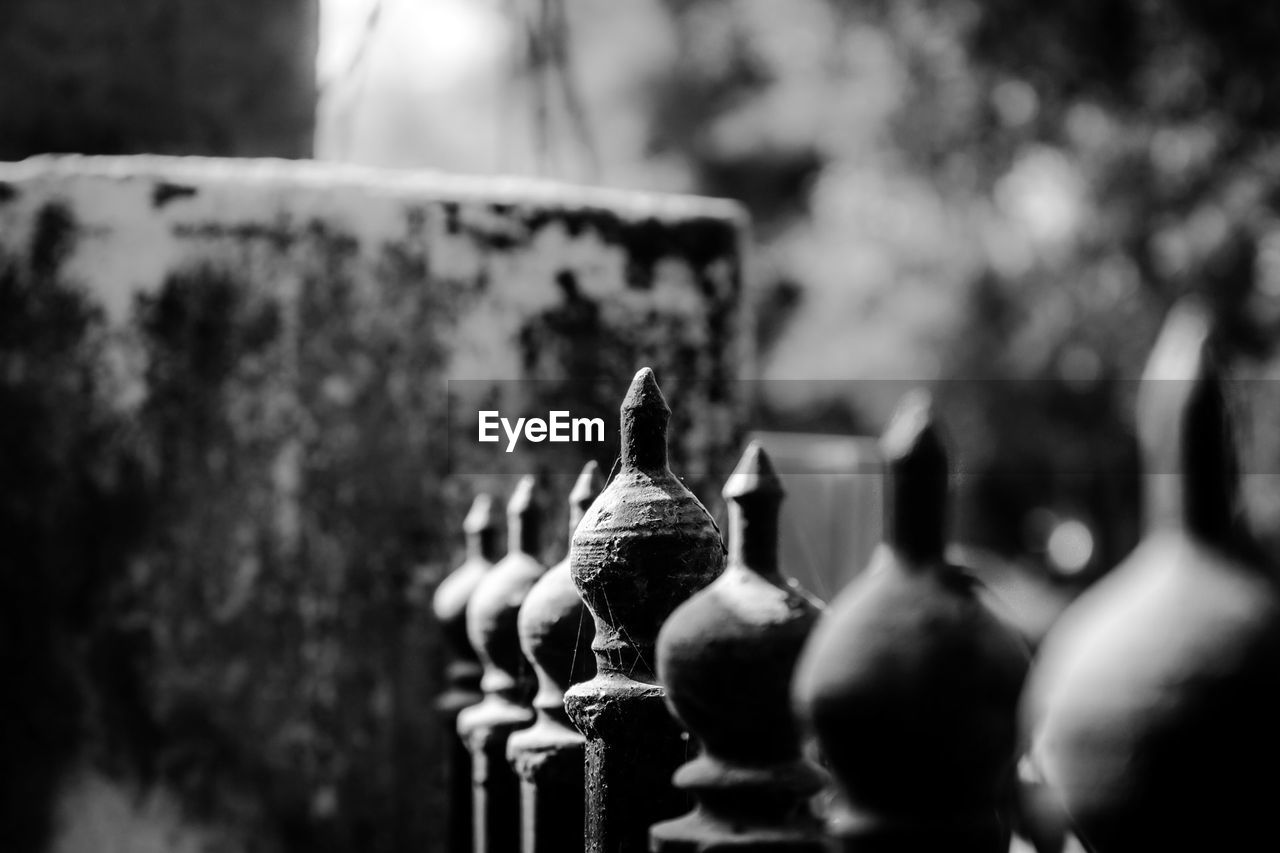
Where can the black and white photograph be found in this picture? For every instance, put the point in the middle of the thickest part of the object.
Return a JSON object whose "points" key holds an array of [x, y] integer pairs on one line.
{"points": [[639, 426]]}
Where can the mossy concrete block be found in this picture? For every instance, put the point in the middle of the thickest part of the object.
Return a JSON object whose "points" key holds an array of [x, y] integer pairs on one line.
{"points": [[225, 449]]}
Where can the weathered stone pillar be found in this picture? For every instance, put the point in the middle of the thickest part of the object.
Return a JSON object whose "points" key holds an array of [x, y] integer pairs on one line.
{"points": [[229, 425], [507, 681], [462, 673], [909, 683], [645, 546], [726, 657], [555, 633]]}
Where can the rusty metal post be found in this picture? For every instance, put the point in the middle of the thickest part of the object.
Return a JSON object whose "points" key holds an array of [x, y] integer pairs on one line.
{"points": [[726, 657], [910, 683], [555, 633], [507, 681], [462, 674], [1154, 701], [645, 546]]}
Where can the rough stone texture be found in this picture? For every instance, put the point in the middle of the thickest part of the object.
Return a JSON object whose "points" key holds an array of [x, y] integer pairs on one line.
{"points": [[159, 76], [223, 386]]}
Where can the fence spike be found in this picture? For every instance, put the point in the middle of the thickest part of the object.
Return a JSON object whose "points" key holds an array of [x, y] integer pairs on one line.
{"points": [[449, 604], [915, 521], [1184, 433], [555, 634], [1155, 696], [726, 656], [643, 547], [909, 684], [462, 673], [507, 680]]}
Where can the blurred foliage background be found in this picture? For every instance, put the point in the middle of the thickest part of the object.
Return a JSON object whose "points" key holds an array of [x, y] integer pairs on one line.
{"points": [[998, 198]]}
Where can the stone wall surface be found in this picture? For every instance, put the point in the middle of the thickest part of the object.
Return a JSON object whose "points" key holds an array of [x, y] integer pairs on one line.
{"points": [[226, 480]]}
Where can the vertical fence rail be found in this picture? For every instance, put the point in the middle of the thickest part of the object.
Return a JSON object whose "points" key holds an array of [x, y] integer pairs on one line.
{"points": [[507, 680], [1155, 697], [726, 657], [645, 546], [909, 683], [555, 634], [462, 674]]}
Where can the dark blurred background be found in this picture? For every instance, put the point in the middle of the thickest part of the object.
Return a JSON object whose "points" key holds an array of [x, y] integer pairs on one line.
{"points": [[997, 199]]}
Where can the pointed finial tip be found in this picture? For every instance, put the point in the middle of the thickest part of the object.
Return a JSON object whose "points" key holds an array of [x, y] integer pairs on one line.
{"points": [[480, 516], [1178, 368], [1185, 423], [754, 475], [1181, 350], [588, 485], [912, 421], [644, 392], [522, 498]]}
